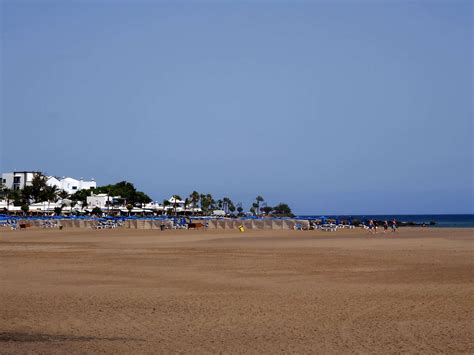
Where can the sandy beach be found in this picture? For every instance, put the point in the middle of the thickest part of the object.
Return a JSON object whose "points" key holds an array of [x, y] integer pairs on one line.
{"points": [[144, 291]]}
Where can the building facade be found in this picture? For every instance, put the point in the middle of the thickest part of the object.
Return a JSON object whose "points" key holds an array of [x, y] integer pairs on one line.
{"points": [[101, 200], [17, 180], [71, 185]]}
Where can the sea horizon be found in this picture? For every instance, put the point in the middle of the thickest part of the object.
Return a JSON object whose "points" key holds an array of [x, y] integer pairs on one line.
{"points": [[464, 220]]}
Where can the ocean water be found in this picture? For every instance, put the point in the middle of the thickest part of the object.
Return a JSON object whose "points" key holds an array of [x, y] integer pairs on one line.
{"points": [[441, 220]]}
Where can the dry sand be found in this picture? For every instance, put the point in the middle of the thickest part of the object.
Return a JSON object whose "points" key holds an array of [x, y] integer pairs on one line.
{"points": [[123, 291]]}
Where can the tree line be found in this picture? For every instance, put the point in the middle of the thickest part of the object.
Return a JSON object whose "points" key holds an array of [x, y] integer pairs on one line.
{"points": [[40, 191]]}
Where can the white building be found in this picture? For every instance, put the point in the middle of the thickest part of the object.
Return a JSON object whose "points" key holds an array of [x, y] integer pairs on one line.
{"points": [[153, 206], [17, 180], [181, 206], [220, 213], [101, 200], [71, 185]]}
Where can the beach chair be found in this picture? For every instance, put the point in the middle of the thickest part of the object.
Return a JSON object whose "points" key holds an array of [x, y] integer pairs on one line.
{"points": [[329, 227]]}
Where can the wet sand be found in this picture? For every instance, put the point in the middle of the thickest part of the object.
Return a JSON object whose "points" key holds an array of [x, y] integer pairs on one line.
{"points": [[144, 291]]}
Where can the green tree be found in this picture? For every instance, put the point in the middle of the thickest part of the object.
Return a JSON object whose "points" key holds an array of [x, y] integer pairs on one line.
{"points": [[73, 202], [63, 194], [81, 196], [16, 197], [176, 198], [194, 197], [254, 208], [267, 209], [282, 209], [228, 205], [26, 195], [206, 202], [38, 186], [239, 208], [166, 203], [212, 202], [25, 208], [97, 211], [258, 200], [50, 194], [142, 198], [124, 189], [6, 195]]}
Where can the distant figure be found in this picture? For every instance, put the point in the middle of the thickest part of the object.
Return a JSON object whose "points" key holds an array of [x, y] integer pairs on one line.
{"points": [[371, 226], [394, 226], [385, 226], [375, 227]]}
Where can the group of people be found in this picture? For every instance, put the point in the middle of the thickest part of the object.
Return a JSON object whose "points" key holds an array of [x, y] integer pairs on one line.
{"points": [[373, 225]]}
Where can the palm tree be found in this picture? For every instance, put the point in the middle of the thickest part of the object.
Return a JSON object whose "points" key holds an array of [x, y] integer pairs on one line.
{"points": [[225, 204], [194, 197], [210, 202], [165, 204], [203, 202], [7, 195], [129, 208], [186, 203], [38, 186], [63, 194], [50, 193], [25, 208], [84, 205], [175, 198], [228, 205], [254, 208], [258, 199], [73, 201]]}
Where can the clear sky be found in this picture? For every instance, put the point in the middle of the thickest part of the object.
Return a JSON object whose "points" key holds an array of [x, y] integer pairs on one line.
{"points": [[353, 107]]}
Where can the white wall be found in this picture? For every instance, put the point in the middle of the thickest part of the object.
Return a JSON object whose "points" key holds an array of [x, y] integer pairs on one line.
{"points": [[71, 185], [25, 179], [7, 180], [98, 200], [86, 185]]}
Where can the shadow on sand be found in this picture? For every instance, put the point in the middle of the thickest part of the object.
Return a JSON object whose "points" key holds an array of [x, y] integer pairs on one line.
{"points": [[34, 338]]}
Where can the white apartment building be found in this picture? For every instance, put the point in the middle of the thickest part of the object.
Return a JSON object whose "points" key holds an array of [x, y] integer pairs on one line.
{"points": [[17, 180], [71, 185]]}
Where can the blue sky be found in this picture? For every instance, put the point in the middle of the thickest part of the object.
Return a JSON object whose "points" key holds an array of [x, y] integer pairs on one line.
{"points": [[351, 107]]}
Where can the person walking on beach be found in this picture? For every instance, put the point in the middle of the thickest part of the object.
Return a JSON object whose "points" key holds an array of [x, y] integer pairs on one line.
{"points": [[375, 227], [394, 226], [371, 226], [385, 226]]}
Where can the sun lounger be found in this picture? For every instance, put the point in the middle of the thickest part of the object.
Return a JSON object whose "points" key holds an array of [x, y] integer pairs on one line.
{"points": [[329, 227]]}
